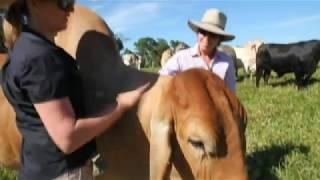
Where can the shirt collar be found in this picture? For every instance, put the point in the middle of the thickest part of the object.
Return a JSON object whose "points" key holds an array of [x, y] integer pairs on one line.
{"points": [[195, 52], [37, 36]]}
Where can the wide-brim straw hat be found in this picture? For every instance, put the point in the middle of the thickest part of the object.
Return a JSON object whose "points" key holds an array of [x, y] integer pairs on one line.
{"points": [[213, 21]]}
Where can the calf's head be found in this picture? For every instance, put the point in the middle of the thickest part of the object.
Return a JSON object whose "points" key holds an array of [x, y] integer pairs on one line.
{"points": [[207, 124]]}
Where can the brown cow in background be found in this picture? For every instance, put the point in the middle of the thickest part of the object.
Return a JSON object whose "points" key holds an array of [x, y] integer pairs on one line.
{"points": [[168, 53]]}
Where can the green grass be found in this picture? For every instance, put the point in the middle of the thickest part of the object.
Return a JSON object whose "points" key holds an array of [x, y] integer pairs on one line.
{"points": [[6, 174], [151, 69], [283, 130]]}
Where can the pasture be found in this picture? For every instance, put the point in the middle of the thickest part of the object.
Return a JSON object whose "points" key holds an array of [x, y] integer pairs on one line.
{"points": [[282, 134]]}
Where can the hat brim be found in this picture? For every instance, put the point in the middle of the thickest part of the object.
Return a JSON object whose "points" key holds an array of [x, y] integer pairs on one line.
{"points": [[195, 26]]}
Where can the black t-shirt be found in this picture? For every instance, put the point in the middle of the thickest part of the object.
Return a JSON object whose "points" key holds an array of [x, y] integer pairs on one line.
{"points": [[39, 71]]}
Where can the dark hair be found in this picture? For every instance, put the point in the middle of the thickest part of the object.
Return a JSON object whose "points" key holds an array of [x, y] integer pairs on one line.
{"points": [[14, 19]]}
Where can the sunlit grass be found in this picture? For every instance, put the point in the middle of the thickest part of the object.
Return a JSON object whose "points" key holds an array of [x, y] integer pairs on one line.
{"points": [[283, 130]]}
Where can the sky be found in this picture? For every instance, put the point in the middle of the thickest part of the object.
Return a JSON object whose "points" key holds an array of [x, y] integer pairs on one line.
{"points": [[281, 21]]}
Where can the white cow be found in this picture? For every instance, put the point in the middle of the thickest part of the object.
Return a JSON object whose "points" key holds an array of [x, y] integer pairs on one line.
{"points": [[133, 60], [247, 55]]}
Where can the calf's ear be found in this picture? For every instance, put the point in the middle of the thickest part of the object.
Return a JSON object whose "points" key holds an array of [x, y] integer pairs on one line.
{"points": [[233, 112]]}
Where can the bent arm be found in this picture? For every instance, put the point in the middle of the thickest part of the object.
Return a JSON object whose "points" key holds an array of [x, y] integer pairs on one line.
{"points": [[68, 133]]}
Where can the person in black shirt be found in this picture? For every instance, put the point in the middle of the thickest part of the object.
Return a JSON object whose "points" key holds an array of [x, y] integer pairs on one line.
{"points": [[42, 83]]}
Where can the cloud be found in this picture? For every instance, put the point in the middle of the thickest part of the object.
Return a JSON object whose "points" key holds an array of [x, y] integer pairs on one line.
{"points": [[292, 23], [126, 17], [297, 22]]}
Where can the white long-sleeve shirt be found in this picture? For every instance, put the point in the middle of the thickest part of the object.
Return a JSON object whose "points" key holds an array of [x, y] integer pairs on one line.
{"points": [[221, 64]]}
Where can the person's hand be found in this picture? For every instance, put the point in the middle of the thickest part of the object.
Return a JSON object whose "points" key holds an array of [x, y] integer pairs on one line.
{"points": [[128, 99]]}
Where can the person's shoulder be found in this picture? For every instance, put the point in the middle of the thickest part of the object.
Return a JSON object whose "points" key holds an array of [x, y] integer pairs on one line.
{"points": [[224, 57], [33, 48], [33, 55], [184, 53]]}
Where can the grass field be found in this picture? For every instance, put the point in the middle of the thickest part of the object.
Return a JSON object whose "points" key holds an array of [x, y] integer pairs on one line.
{"points": [[283, 130], [282, 134]]}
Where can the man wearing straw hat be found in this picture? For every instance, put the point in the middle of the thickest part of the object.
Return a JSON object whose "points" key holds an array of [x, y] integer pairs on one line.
{"points": [[204, 54]]}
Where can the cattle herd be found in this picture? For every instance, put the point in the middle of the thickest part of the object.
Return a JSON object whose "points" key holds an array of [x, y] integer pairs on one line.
{"points": [[260, 59], [190, 126]]}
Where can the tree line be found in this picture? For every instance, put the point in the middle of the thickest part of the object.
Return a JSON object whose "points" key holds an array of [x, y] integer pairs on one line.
{"points": [[151, 49]]}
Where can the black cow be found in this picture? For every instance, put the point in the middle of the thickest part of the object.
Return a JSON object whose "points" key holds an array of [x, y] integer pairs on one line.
{"points": [[301, 58]]}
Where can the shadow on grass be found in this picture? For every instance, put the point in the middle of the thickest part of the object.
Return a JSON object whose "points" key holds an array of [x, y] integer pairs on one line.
{"points": [[240, 78], [292, 81], [262, 162]]}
